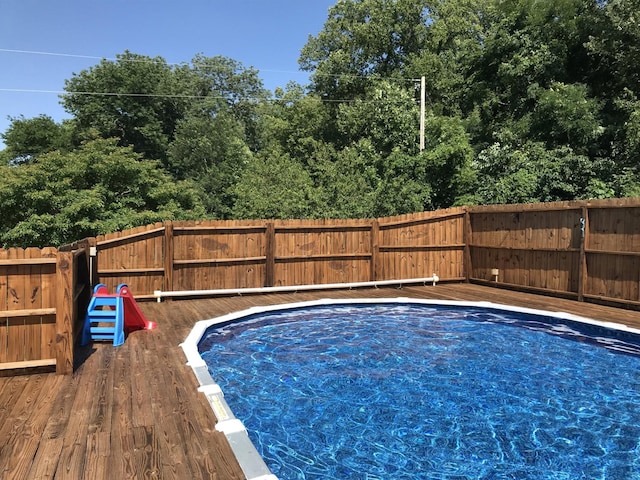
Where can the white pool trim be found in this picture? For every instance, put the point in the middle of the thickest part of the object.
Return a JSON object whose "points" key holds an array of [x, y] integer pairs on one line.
{"points": [[251, 463]]}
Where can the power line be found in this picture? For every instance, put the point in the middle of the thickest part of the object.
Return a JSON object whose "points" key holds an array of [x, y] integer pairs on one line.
{"points": [[111, 59], [150, 60], [111, 94], [133, 60], [74, 55], [180, 96]]}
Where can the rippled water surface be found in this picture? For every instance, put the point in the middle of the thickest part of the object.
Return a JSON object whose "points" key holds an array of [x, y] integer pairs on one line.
{"points": [[422, 392]]}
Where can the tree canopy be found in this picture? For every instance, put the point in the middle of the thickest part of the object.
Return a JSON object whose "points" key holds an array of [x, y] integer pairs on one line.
{"points": [[527, 101], [97, 188]]}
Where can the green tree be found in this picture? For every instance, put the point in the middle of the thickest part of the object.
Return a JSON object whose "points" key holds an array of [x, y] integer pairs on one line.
{"points": [[211, 151], [95, 189], [212, 143], [275, 186], [404, 187], [299, 122], [26, 139], [348, 181], [448, 159], [454, 44], [136, 99], [438, 177], [361, 39], [386, 114], [532, 173], [527, 47], [566, 115], [614, 46], [224, 85], [630, 131]]}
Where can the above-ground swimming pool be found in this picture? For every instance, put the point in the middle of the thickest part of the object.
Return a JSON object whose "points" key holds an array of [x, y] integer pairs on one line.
{"points": [[415, 390]]}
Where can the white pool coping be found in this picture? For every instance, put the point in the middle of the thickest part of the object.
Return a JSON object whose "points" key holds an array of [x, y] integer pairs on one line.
{"points": [[251, 463]]}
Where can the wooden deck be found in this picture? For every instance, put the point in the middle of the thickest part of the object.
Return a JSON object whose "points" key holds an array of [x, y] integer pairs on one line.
{"points": [[134, 412]]}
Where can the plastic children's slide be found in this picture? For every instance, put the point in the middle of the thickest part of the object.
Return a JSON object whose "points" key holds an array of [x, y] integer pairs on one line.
{"points": [[112, 316], [134, 319]]}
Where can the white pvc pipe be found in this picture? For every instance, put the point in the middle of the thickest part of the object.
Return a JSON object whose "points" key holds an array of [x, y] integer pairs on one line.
{"points": [[159, 294]]}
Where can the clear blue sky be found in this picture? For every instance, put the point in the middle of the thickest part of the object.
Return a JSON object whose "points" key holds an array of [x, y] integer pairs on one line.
{"points": [[265, 34]]}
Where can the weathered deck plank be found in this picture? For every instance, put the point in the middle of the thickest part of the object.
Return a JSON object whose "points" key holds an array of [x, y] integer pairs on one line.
{"points": [[22, 433], [134, 412]]}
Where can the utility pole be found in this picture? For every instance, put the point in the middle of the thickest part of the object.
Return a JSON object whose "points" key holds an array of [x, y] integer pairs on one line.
{"points": [[423, 95]]}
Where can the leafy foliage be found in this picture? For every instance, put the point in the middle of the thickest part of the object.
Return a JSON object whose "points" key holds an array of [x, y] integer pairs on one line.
{"points": [[527, 101], [364, 39], [532, 173], [135, 98], [275, 186], [212, 152], [97, 188], [25, 139]]}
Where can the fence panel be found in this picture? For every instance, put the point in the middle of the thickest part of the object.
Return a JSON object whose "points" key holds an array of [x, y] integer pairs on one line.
{"points": [[15, 301], [48, 294], [322, 251], [419, 245], [535, 246], [27, 307], [218, 255], [134, 257], [613, 252]]}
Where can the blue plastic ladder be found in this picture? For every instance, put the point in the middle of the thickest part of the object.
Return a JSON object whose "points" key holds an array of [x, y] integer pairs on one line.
{"points": [[105, 318]]}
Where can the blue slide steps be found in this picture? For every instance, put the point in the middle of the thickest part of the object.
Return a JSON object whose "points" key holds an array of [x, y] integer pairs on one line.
{"points": [[105, 318]]}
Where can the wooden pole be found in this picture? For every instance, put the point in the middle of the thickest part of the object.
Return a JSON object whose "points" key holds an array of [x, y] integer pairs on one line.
{"points": [[375, 250], [582, 264], [64, 313], [168, 256], [270, 254], [467, 233]]}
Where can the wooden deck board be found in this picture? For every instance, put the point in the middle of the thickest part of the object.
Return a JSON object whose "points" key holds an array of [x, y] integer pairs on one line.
{"points": [[134, 412], [25, 428], [10, 390], [73, 455]]}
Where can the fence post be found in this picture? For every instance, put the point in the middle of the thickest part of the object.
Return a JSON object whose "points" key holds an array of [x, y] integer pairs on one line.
{"points": [[467, 240], [64, 313], [168, 257], [582, 264], [92, 245], [374, 266], [270, 254]]}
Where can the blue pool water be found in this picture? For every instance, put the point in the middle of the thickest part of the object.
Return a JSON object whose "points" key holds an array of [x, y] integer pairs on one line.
{"points": [[423, 392]]}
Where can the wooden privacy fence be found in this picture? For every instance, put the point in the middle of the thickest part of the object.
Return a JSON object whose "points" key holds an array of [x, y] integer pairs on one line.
{"points": [[43, 293], [178, 256], [582, 250], [586, 250]]}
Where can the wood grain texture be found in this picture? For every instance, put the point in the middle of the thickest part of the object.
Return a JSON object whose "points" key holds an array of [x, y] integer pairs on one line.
{"points": [[134, 411], [537, 247]]}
